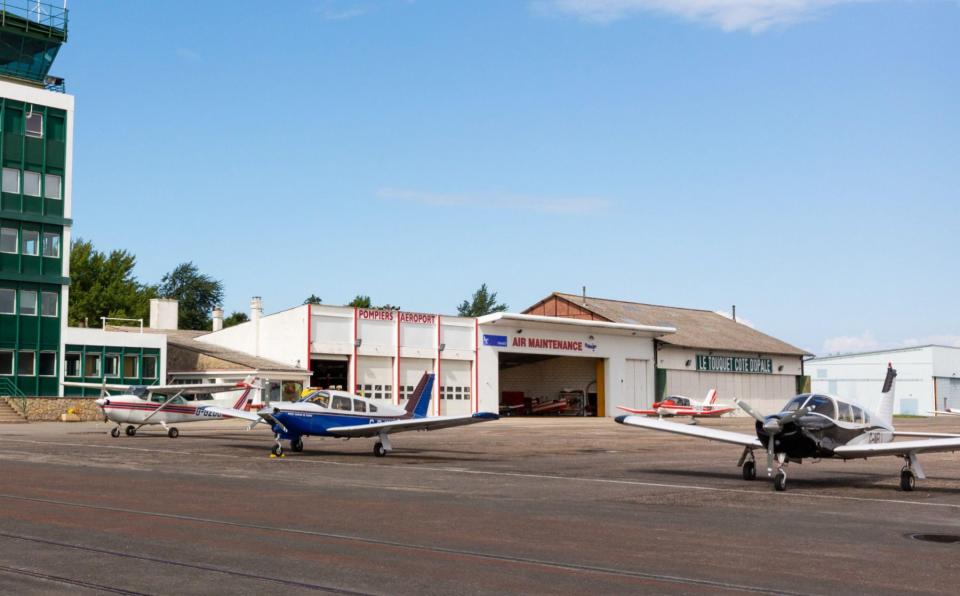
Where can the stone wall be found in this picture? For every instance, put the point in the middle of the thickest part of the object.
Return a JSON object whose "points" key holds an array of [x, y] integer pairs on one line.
{"points": [[50, 408]]}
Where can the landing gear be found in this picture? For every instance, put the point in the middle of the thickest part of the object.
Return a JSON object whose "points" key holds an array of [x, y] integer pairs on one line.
{"points": [[296, 445], [749, 470], [908, 480], [379, 450], [780, 480], [172, 432], [115, 432], [131, 430], [277, 450]]}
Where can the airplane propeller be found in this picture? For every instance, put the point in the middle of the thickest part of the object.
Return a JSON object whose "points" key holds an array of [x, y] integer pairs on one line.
{"points": [[771, 426]]}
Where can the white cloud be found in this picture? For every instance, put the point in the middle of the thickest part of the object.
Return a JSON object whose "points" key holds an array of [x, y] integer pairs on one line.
{"points": [[333, 10], [866, 342], [729, 15], [554, 205]]}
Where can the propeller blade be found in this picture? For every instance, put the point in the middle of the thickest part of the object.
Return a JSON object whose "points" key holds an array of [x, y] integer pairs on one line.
{"points": [[749, 410], [791, 416]]}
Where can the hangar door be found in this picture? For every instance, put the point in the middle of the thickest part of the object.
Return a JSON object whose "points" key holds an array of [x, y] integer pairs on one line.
{"points": [[948, 393], [455, 391], [538, 385], [635, 387], [374, 377], [411, 370]]}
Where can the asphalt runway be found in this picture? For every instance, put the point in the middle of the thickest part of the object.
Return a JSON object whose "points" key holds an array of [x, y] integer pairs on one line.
{"points": [[519, 506]]}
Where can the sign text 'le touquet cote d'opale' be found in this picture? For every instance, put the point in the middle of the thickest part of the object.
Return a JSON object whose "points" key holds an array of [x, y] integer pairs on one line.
{"points": [[735, 364]]}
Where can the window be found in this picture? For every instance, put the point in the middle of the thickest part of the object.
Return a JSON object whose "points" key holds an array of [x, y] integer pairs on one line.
{"points": [[48, 364], [31, 242], [51, 187], [25, 364], [149, 367], [11, 180], [6, 363], [130, 365], [359, 405], [111, 366], [91, 365], [8, 301], [48, 304], [51, 244], [373, 407], [31, 183], [34, 124], [28, 302], [71, 364], [341, 403], [8, 240]]}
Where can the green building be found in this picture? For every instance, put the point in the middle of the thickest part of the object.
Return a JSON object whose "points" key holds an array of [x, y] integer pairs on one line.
{"points": [[36, 126]]}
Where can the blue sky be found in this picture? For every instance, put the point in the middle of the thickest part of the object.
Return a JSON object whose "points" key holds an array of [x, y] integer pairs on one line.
{"points": [[798, 159]]}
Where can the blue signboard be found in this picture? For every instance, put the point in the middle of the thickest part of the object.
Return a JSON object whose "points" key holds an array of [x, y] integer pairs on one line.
{"points": [[497, 341]]}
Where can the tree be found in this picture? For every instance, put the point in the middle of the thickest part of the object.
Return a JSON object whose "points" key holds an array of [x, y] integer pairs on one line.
{"points": [[235, 318], [197, 293], [482, 303], [313, 299], [103, 285], [360, 301], [387, 307]]}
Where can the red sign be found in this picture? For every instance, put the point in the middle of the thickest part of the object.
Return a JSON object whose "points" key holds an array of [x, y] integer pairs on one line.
{"points": [[375, 315], [405, 317], [548, 344], [416, 317]]}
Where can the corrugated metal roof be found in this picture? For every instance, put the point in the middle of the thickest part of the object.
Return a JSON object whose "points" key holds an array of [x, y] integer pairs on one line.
{"points": [[702, 329]]}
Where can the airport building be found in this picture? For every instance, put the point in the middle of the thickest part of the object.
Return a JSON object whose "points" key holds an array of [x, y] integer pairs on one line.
{"points": [[36, 125], [928, 377]]}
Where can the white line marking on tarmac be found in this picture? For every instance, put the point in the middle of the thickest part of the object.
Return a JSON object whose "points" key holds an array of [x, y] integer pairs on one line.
{"points": [[451, 470]]}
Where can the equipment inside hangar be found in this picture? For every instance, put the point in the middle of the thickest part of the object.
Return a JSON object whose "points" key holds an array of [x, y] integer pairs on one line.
{"points": [[542, 384]]}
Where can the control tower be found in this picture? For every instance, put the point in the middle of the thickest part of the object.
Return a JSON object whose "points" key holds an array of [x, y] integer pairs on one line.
{"points": [[36, 155]]}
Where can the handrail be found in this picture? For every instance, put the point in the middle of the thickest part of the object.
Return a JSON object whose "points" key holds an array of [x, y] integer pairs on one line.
{"points": [[9, 389], [48, 16]]}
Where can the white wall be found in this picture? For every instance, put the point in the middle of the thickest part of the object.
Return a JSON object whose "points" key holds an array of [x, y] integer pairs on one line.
{"points": [[859, 378]]}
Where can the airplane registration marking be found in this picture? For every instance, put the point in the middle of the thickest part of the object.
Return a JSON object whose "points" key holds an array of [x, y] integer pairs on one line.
{"points": [[451, 470]]}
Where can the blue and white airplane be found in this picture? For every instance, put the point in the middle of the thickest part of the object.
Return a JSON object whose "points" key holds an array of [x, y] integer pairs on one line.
{"points": [[328, 413]]}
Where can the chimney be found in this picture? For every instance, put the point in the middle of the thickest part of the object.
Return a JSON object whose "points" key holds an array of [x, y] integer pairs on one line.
{"points": [[164, 313], [256, 308], [218, 318], [584, 295], [734, 313]]}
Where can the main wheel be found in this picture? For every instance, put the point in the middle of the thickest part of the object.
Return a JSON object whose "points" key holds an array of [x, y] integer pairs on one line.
{"points": [[907, 480], [296, 445], [277, 450], [131, 430], [115, 432], [173, 433], [780, 481], [749, 470], [378, 449]]}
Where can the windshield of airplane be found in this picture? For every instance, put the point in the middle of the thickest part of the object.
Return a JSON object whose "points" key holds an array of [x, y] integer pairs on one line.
{"points": [[320, 398], [795, 403], [679, 401], [822, 404]]}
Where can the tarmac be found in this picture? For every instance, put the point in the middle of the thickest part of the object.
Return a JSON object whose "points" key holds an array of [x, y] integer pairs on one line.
{"points": [[517, 506]]}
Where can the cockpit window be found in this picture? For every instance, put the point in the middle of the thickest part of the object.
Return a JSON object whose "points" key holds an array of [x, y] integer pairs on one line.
{"points": [[846, 412], [159, 398], [822, 404], [680, 401], [795, 403], [373, 408], [321, 399], [359, 405], [341, 403]]}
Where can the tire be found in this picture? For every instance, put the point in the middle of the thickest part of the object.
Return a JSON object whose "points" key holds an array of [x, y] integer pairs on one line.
{"points": [[378, 449], [131, 430], [296, 445], [173, 433], [115, 432], [780, 481], [908, 481], [749, 470], [277, 450]]}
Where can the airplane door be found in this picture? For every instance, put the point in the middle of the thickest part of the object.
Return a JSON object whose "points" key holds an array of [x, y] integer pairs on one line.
{"points": [[635, 394]]}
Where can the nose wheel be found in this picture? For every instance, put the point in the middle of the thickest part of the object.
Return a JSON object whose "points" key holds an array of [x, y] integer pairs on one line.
{"points": [[277, 450], [780, 481], [115, 432]]}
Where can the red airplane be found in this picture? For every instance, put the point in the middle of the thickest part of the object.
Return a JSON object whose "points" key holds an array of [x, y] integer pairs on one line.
{"points": [[677, 405]]}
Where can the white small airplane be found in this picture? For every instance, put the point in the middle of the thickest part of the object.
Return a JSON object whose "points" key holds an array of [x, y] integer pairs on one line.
{"points": [[140, 405], [947, 412], [678, 405], [339, 414], [816, 426]]}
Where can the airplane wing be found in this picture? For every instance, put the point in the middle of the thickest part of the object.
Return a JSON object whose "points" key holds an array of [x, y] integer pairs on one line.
{"points": [[711, 434], [182, 389], [234, 413], [897, 433], [897, 448], [632, 411], [436, 423], [947, 412]]}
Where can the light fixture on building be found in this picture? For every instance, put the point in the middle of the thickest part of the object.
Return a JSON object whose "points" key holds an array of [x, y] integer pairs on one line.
{"points": [[443, 347], [590, 338], [357, 342], [780, 368], [519, 331], [687, 363]]}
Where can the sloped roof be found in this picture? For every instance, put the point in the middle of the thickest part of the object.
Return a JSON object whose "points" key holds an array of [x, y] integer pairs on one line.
{"points": [[703, 329], [186, 339]]}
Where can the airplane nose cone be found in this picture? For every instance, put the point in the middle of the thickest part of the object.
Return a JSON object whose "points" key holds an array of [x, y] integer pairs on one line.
{"points": [[101, 402]]}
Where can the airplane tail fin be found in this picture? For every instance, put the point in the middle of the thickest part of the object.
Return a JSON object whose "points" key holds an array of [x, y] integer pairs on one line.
{"points": [[885, 410], [419, 402], [248, 386], [711, 398]]}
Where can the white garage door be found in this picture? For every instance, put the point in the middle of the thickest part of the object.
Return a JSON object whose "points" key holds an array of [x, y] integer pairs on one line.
{"points": [[948, 393], [635, 393], [411, 369], [455, 388], [374, 377]]}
